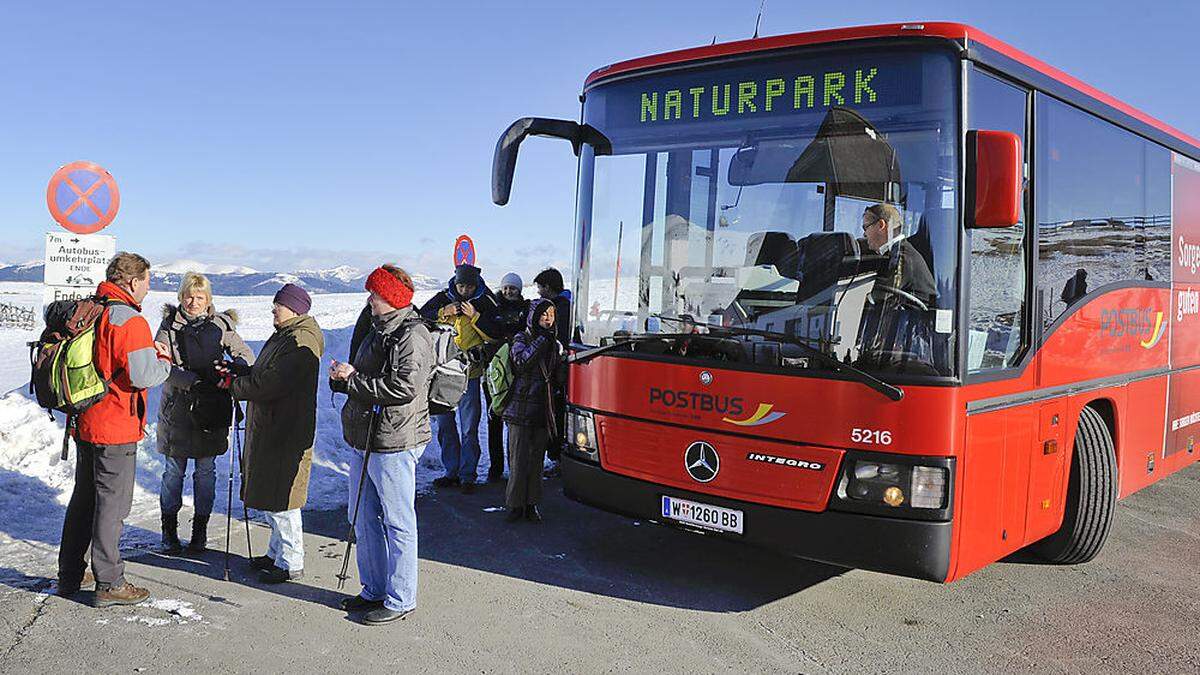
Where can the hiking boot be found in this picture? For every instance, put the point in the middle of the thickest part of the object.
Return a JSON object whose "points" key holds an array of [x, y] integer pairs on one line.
{"points": [[468, 487], [514, 514], [198, 542], [445, 481], [125, 594], [532, 514], [262, 562], [63, 589], [384, 615], [278, 575], [170, 534], [359, 604]]}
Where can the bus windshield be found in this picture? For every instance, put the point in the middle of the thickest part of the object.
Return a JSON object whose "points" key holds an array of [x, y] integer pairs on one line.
{"points": [[811, 200]]}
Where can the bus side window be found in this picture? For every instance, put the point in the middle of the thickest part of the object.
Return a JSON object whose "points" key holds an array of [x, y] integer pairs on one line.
{"points": [[999, 279], [1103, 207]]}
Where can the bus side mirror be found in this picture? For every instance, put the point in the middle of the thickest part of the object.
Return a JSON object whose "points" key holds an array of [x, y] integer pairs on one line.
{"points": [[504, 161], [995, 180]]}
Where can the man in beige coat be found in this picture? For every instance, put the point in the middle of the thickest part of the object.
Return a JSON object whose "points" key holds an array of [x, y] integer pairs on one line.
{"points": [[281, 423]]}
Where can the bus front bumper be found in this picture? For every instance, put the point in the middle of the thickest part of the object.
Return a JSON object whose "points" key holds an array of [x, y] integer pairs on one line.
{"points": [[911, 548]]}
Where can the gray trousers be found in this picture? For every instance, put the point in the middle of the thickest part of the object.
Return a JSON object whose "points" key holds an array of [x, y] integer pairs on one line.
{"points": [[526, 455], [100, 502]]}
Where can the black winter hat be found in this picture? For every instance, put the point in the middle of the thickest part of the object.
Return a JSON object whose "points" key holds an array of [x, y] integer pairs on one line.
{"points": [[467, 274]]}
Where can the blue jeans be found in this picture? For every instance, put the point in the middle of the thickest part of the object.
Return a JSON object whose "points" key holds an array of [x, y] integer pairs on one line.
{"points": [[204, 484], [460, 451], [386, 530]]}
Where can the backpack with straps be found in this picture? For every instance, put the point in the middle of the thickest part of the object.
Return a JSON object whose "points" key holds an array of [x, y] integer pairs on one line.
{"points": [[499, 379], [448, 380], [63, 373]]}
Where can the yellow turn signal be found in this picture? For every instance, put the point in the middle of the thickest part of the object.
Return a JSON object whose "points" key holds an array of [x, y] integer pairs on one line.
{"points": [[893, 496]]}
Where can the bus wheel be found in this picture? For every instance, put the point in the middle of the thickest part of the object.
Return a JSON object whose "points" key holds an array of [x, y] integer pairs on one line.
{"points": [[1091, 495]]}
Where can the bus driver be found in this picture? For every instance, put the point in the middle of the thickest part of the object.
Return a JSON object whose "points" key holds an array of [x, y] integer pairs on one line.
{"points": [[895, 332]]}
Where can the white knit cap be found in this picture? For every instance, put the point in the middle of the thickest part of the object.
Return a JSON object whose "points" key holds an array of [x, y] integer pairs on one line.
{"points": [[511, 279]]}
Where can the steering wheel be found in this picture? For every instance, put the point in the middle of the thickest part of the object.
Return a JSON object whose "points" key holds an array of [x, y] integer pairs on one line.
{"points": [[903, 295]]}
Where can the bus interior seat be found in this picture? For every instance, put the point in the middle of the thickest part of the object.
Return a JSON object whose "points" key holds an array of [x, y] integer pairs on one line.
{"points": [[919, 238], [772, 248], [821, 261], [762, 352]]}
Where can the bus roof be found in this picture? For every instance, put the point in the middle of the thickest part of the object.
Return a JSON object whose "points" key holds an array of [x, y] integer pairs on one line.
{"points": [[936, 29]]}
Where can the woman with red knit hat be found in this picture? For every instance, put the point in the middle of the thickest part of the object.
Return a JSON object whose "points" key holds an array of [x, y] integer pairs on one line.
{"points": [[387, 412]]}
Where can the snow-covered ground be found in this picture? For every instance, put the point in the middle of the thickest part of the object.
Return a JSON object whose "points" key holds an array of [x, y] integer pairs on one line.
{"points": [[35, 485]]}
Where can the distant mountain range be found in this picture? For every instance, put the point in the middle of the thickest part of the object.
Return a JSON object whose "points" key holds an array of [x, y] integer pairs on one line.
{"points": [[237, 280]]}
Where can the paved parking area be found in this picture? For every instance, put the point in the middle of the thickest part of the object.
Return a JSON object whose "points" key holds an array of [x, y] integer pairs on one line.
{"points": [[590, 591]]}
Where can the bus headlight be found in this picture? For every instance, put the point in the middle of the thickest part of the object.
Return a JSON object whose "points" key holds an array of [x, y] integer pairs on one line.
{"points": [[581, 435], [928, 488], [889, 484]]}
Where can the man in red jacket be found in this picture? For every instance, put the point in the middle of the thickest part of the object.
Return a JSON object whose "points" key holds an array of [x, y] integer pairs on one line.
{"points": [[107, 435]]}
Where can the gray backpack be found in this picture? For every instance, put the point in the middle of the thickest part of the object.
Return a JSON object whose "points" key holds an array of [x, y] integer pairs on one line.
{"points": [[448, 382]]}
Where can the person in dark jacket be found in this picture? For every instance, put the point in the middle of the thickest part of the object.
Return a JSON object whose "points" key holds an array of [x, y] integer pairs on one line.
{"points": [[386, 421], [511, 310], [550, 286], [281, 425], [1075, 288], [895, 334], [470, 308], [531, 412], [194, 414]]}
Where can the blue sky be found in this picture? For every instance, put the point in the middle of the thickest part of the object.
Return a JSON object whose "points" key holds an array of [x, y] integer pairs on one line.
{"points": [[298, 135]]}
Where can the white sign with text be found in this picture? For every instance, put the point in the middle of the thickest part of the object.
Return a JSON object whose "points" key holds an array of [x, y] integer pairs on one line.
{"points": [[77, 260]]}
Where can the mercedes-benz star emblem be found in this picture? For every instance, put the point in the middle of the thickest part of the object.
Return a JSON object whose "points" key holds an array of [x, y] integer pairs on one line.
{"points": [[702, 462], [706, 378]]}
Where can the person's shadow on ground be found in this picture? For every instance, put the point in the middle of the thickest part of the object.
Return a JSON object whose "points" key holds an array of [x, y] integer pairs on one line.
{"points": [[576, 547], [585, 549], [34, 516]]}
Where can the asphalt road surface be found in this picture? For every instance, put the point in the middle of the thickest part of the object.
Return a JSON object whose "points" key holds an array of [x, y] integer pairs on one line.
{"points": [[588, 591]]}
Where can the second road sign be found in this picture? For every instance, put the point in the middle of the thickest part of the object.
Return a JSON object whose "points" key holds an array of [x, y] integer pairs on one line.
{"points": [[78, 260]]}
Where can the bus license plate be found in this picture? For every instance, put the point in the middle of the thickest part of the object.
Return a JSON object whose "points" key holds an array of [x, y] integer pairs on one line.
{"points": [[702, 515]]}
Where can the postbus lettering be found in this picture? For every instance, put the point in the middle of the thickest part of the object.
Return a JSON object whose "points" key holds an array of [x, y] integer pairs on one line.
{"points": [[1127, 322], [682, 399]]}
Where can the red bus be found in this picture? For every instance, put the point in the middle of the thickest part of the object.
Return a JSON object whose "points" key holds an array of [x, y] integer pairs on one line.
{"points": [[899, 297]]}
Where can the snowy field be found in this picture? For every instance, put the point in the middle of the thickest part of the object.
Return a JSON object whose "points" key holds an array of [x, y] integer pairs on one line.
{"points": [[35, 486]]}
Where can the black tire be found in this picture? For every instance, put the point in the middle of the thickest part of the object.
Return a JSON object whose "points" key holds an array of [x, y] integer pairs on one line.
{"points": [[1091, 496]]}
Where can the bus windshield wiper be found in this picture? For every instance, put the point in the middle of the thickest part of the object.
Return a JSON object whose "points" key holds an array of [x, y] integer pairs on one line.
{"points": [[588, 354], [859, 375]]}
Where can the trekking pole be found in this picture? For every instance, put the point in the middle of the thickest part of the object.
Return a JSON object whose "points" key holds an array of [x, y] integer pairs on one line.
{"points": [[229, 508], [240, 426], [362, 478]]}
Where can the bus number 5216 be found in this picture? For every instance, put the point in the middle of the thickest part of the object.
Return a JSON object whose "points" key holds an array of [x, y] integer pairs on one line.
{"points": [[870, 436]]}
